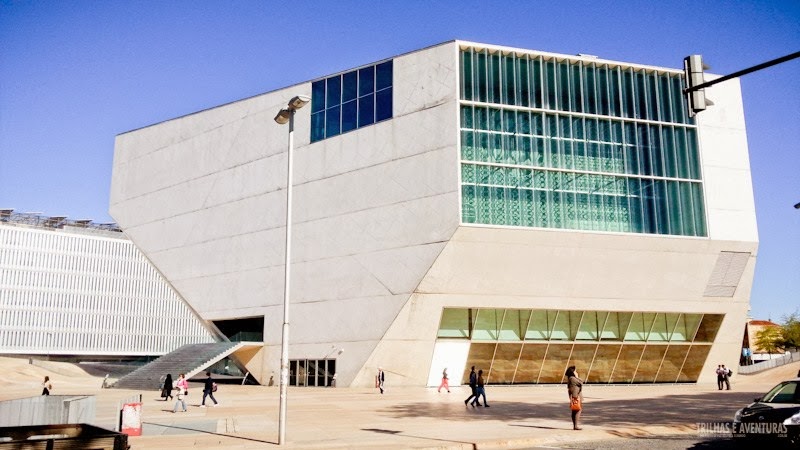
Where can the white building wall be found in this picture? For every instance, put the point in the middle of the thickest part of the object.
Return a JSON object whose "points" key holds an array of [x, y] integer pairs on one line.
{"points": [[204, 197], [377, 249], [65, 293], [726, 165]]}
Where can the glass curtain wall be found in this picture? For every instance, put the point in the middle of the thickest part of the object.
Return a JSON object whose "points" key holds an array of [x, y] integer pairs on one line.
{"points": [[577, 145], [519, 346]]}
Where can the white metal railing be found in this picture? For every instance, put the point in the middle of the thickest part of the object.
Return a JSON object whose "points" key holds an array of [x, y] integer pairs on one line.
{"points": [[769, 364]]}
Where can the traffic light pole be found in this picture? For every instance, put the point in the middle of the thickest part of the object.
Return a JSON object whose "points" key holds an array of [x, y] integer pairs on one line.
{"points": [[743, 72]]}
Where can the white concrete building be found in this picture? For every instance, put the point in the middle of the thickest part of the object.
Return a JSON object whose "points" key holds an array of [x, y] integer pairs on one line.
{"points": [[80, 290], [465, 204]]}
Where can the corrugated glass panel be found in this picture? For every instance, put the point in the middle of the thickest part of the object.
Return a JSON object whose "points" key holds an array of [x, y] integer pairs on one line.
{"points": [[487, 324]]}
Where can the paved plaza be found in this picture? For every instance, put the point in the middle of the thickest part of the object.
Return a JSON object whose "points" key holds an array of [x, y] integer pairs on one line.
{"points": [[419, 418]]}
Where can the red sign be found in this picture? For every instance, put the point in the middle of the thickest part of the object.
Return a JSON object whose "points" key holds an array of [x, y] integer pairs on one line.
{"points": [[131, 420]]}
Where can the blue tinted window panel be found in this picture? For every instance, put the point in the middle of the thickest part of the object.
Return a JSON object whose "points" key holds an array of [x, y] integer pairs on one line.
{"points": [[466, 75], [649, 207], [468, 174], [589, 92], [480, 78], [483, 204], [563, 86], [468, 204], [366, 110], [509, 87], [550, 94], [615, 101], [687, 209], [641, 95], [383, 105], [524, 150], [694, 157], [349, 116], [536, 83], [665, 98], [468, 145], [523, 122], [635, 205], [628, 94], [317, 96], [652, 97], [366, 81], [332, 118], [662, 210], [527, 208], [699, 210], [676, 99], [523, 82], [576, 97], [318, 126], [383, 75], [467, 116], [656, 151], [682, 157], [333, 91], [349, 86], [494, 78], [674, 208], [602, 91], [482, 153]]}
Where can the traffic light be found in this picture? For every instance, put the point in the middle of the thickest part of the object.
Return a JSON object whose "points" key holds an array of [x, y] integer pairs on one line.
{"points": [[693, 68]]}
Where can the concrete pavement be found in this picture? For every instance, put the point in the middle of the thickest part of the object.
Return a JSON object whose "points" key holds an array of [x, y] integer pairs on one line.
{"points": [[419, 418]]}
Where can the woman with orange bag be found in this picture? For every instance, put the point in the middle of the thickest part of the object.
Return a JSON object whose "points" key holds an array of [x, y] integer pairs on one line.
{"points": [[574, 388]]}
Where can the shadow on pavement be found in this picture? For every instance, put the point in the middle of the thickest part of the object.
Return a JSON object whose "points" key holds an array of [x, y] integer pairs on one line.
{"points": [[669, 410]]}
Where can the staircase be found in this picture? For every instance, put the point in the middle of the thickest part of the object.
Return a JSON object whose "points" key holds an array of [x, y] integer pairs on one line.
{"points": [[189, 359]]}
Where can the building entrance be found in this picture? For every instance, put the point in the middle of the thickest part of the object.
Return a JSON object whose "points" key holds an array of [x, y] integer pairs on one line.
{"points": [[312, 372]]}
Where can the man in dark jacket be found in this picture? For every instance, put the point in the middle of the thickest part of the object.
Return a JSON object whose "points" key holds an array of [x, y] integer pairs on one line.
{"points": [[208, 390], [473, 384]]}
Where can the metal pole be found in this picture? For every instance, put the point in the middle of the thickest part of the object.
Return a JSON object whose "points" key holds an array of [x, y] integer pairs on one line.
{"points": [[773, 62], [286, 285]]}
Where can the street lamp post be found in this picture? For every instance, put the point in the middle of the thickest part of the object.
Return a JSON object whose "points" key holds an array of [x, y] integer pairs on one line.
{"points": [[286, 115]]}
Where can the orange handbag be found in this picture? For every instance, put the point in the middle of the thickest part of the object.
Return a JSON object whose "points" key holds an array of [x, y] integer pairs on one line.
{"points": [[575, 403]]}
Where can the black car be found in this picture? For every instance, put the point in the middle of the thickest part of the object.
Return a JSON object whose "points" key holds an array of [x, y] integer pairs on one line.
{"points": [[765, 417], [793, 429]]}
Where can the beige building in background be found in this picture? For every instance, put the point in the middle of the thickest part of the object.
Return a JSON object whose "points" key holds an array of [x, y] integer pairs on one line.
{"points": [[464, 204]]}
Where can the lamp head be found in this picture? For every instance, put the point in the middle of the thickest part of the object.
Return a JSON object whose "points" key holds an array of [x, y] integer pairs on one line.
{"points": [[298, 101], [283, 116]]}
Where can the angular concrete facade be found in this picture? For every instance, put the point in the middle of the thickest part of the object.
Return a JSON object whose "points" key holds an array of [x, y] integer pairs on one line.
{"points": [[380, 248]]}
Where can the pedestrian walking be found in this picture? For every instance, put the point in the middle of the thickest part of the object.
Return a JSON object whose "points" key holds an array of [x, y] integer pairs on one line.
{"points": [[209, 387], [480, 390], [182, 383], [473, 385], [379, 379], [574, 388], [182, 390], [166, 388], [444, 384], [47, 386]]}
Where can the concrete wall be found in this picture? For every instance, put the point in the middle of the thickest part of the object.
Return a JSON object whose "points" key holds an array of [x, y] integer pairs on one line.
{"points": [[47, 410], [204, 197], [726, 165], [484, 267]]}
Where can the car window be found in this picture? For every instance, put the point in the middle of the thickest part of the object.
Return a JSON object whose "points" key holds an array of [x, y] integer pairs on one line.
{"points": [[783, 393]]}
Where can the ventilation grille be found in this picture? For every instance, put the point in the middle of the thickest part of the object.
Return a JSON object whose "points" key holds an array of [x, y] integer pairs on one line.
{"points": [[726, 275]]}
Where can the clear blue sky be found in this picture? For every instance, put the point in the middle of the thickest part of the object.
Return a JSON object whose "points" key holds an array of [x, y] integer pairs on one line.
{"points": [[73, 74]]}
